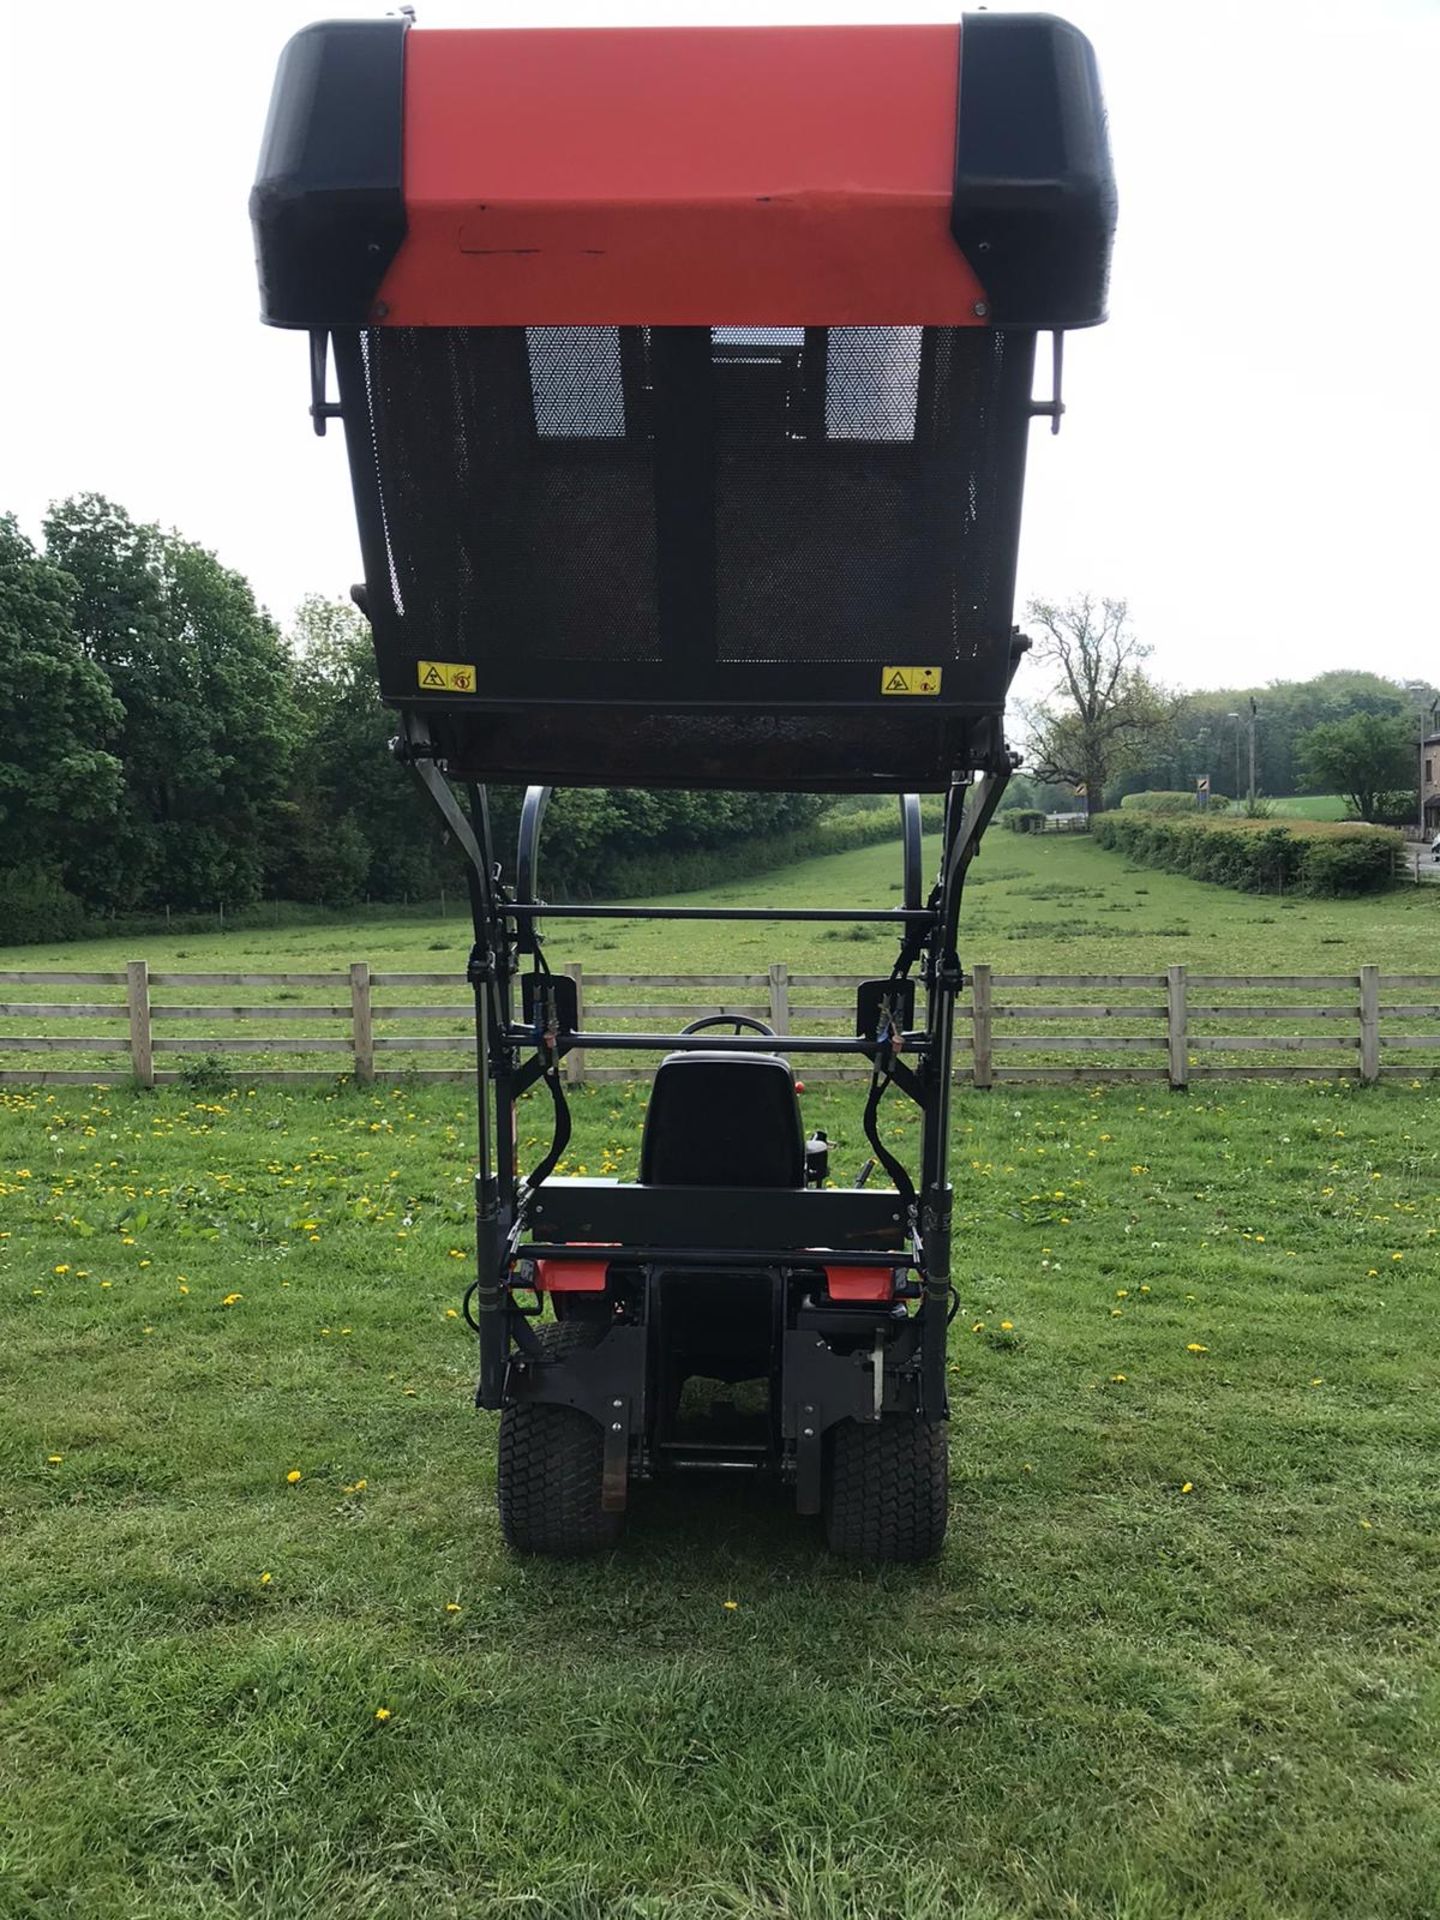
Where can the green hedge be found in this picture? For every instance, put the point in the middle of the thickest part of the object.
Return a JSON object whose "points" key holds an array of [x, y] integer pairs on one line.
{"points": [[1257, 856], [1170, 800]]}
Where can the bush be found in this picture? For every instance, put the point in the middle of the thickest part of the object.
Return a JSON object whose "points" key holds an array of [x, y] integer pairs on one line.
{"points": [[1024, 820], [35, 906], [1171, 800], [1257, 856]]}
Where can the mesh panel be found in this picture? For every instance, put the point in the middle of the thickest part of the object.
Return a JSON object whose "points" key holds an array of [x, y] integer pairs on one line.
{"points": [[519, 515], [883, 533], [705, 498]]}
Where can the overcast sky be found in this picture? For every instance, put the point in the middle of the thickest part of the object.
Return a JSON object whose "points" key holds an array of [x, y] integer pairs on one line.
{"points": [[1249, 453]]}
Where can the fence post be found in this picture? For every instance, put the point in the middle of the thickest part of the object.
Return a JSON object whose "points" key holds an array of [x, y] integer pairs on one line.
{"points": [[362, 1031], [575, 1059], [980, 1004], [1175, 992], [137, 1001], [1370, 1023], [780, 997]]}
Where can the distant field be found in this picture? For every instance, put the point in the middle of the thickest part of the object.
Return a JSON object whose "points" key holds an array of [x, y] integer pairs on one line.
{"points": [[1312, 806], [1043, 903]]}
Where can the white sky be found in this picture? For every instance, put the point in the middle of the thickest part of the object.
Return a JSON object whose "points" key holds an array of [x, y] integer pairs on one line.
{"points": [[1249, 455]]}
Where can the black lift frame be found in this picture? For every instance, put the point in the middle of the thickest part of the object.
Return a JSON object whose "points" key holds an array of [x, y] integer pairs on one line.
{"points": [[835, 1362]]}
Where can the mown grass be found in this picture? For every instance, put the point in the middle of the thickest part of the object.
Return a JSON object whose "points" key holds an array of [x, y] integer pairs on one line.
{"points": [[1112, 1696], [1310, 806]]}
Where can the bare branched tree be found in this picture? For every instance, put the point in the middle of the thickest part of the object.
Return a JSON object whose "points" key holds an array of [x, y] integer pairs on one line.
{"points": [[1101, 709]]}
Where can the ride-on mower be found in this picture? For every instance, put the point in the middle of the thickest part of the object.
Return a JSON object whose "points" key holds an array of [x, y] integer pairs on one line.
{"points": [[686, 378]]}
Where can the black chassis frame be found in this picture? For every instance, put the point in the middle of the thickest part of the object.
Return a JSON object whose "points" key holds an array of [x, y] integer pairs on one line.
{"points": [[837, 1362]]}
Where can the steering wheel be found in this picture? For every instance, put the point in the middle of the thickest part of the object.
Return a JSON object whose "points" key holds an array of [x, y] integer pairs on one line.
{"points": [[736, 1020]]}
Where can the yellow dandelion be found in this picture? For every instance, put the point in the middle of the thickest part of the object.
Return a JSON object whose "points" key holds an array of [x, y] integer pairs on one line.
{"points": [[1397, 1256], [1144, 1289], [265, 1579], [62, 1269], [104, 1283], [451, 1314], [1195, 1347], [1117, 1379], [382, 1714], [294, 1476], [979, 1327], [1007, 1326], [1189, 1487], [231, 1299], [1117, 1313], [1372, 1273], [54, 1459], [183, 1287], [1318, 1381], [1122, 1293], [452, 1606], [1260, 1239], [732, 1606]]}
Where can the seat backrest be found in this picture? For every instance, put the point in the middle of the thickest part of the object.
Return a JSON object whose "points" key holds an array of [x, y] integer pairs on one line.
{"points": [[723, 1120]]}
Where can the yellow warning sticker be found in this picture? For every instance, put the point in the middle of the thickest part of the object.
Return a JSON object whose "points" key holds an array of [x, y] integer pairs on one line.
{"points": [[445, 676], [910, 680]]}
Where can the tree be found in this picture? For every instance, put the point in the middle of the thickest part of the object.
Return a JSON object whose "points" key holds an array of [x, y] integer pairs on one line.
{"points": [[210, 724], [1369, 758], [1102, 712], [57, 716]]}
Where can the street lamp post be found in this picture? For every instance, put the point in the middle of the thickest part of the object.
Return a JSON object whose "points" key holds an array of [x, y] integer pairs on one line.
{"points": [[1236, 718]]}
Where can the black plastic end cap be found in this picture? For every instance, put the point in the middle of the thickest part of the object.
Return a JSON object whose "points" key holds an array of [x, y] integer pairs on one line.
{"points": [[1034, 201], [328, 204]]}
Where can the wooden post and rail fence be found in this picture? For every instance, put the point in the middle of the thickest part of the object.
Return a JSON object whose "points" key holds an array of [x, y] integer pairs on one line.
{"points": [[1176, 1026]]}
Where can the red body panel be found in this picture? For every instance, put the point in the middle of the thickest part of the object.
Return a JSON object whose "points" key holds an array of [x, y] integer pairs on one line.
{"points": [[701, 176]]}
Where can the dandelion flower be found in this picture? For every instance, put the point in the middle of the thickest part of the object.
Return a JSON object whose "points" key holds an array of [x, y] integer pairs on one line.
{"points": [[979, 1327], [452, 1606], [294, 1476], [54, 1459], [231, 1299], [1122, 1293], [451, 1314], [1117, 1379], [732, 1606], [62, 1269], [382, 1714], [1189, 1487], [1397, 1256], [1195, 1347], [1117, 1313], [1318, 1381], [183, 1287], [265, 1579]]}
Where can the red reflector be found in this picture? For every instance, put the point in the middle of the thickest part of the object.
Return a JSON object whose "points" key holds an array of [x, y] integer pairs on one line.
{"points": [[570, 1276], [860, 1283]]}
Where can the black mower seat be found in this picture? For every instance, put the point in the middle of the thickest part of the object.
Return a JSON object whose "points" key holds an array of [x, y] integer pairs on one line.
{"points": [[723, 1120]]}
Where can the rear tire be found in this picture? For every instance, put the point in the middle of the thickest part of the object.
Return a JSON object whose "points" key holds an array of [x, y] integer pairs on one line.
{"points": [[887, 1491], [551, 1467]]}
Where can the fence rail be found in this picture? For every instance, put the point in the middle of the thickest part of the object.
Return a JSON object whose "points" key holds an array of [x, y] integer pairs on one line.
{"points": [[1175, 1026]]}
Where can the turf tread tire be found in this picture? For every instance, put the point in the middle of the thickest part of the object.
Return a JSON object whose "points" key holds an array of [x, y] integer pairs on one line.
{"points": [[551, 1468], [887, 1491]]}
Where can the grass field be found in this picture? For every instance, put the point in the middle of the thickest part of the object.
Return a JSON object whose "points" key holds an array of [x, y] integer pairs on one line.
{"points": [[1041, 903], [1177, 1660], [1311, 806]]}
